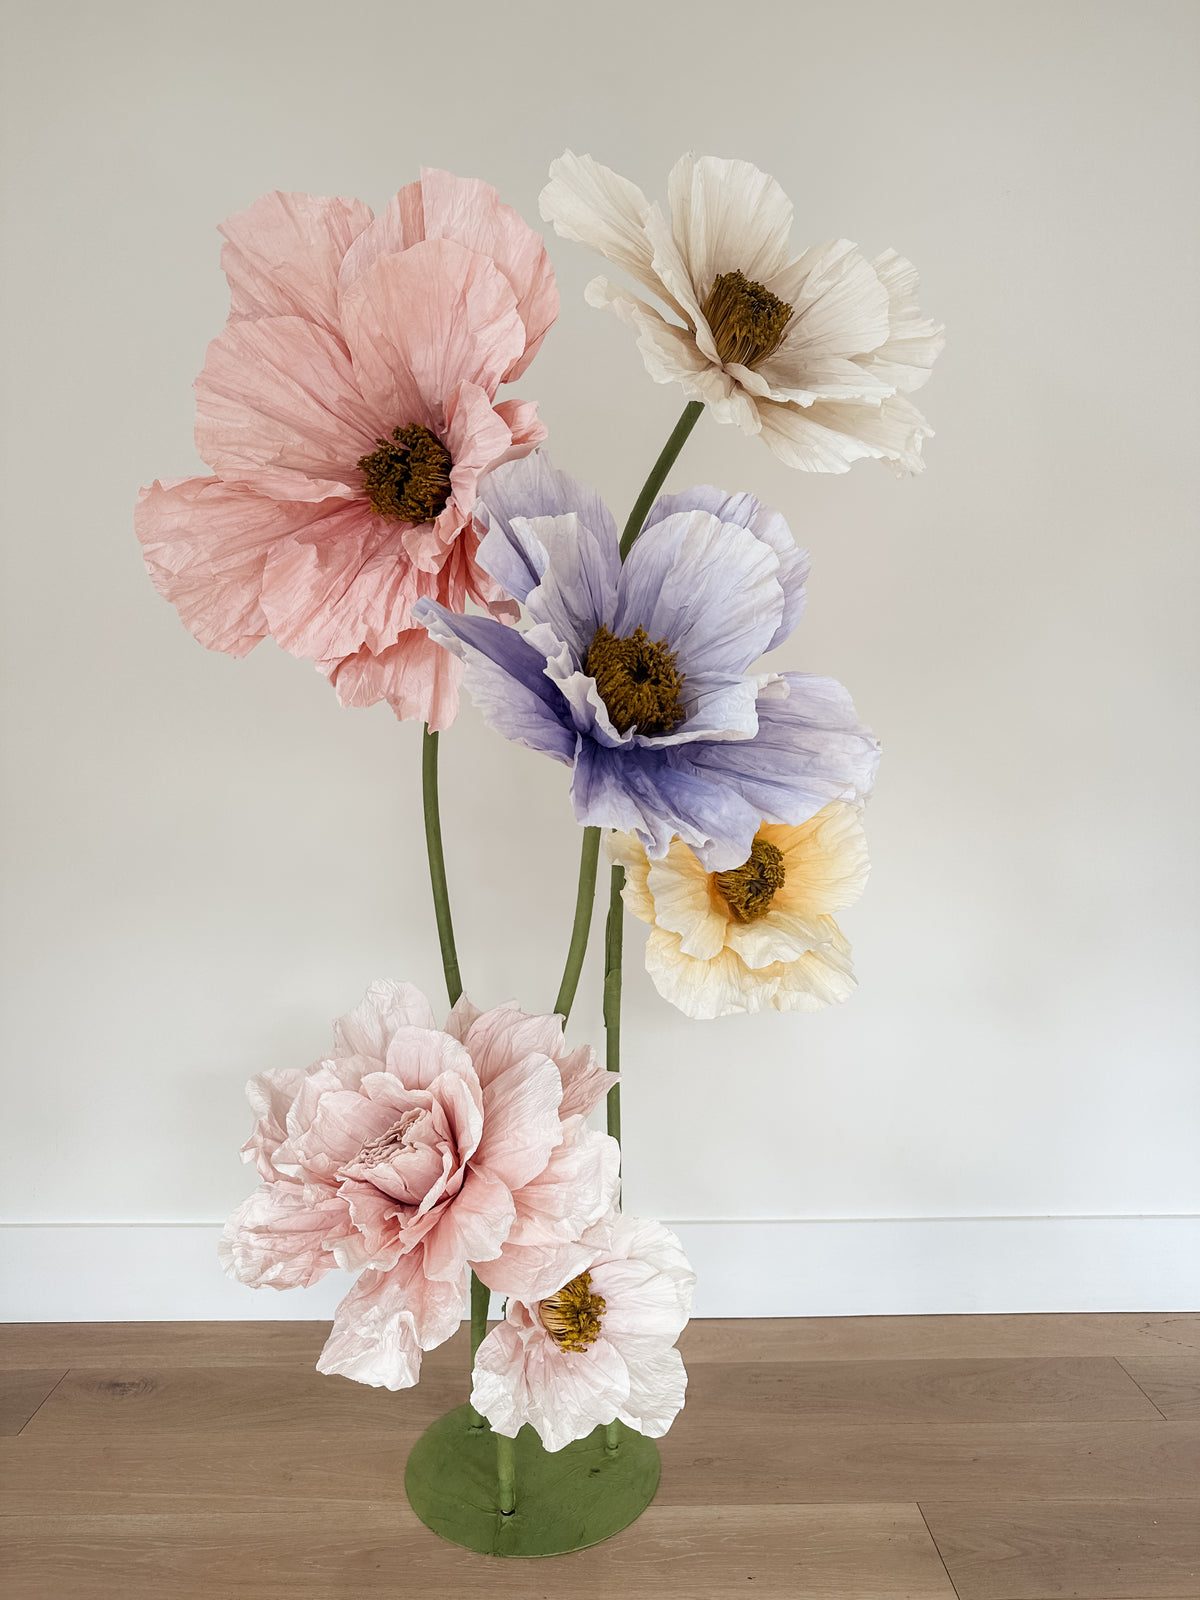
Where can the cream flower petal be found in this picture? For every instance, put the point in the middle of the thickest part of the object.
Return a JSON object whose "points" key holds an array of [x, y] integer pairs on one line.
{"points": [[657, 1389], [727, 216], [779, 935], [277, 404], [892, 431], [625, 851], [683, 903], [282, 256], [914, 342], [590, 204], [825, 860], [670, 355]]}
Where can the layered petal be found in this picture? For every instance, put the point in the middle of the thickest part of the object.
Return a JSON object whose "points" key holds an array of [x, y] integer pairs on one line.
{"points": [[278, 1239], [386, 1321], [282, 256]]}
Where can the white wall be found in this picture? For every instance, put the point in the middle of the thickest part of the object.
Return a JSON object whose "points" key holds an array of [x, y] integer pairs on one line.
{"points": [[207, 859]]}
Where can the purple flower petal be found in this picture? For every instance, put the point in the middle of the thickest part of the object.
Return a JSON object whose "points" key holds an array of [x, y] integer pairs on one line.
{"points": [[648, 795], [531, 487], [748, 512], [709, 588], [810, 749], [506, 679]]}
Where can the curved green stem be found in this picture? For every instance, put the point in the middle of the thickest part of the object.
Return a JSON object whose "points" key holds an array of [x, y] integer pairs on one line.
{"points": [[585, 896], [437, 863], [658, 473]]}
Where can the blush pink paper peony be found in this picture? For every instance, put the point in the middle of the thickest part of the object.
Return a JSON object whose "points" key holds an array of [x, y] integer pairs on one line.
{"points": [[411, 1153], [349, 412]]}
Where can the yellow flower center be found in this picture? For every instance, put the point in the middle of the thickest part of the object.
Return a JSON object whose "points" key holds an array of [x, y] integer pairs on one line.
{"points": [[746, 319], [408, 478], [749, 889], [572, 1317], [638, 681]]}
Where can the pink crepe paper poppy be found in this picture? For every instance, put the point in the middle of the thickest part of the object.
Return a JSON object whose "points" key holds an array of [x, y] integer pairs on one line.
{"points": [[600, 1348], [411, 1153], [348, 412]]}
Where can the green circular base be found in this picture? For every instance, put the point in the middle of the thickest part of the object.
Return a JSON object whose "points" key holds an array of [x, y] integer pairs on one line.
{"points": [[565, 1501]]}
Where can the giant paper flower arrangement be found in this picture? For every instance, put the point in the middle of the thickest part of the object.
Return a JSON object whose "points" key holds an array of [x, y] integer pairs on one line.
{"points": [[817, 353], [349, 412], [638, 675], [368, 489]]}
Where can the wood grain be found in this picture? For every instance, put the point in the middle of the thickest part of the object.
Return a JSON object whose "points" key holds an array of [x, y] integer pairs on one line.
{"points": [[1172, 1384], [1083, 1551], [1055, 1459], [21, 1393], [1052, 1389], [771, 1553], [242, 1344]]}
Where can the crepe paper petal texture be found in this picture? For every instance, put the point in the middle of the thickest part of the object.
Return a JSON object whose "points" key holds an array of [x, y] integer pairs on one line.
{"points": [[760, 938], [600, 1348], [713, 581], [412, 1153], [816, 353], [348, 413]]}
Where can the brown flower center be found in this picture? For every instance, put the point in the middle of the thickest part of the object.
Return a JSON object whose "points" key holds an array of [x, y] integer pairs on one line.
{"points": [[746, 319], [408, 478], [572, 1317], [638, 681], [749, 889]]}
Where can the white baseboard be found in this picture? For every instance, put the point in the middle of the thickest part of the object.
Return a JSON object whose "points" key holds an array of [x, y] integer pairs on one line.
{"points": [[168, 1272]]}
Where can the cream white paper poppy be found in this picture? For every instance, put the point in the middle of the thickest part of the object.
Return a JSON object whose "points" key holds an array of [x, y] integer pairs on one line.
{"points": [[816, 353]]}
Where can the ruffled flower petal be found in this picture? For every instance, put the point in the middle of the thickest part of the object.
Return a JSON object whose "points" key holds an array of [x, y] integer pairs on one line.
{"points": [[278, 1239], [282, 256], [387, 1320]]}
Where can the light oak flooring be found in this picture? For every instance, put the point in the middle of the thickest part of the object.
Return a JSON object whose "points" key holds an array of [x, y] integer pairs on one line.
{"points": [[866, 1458]]}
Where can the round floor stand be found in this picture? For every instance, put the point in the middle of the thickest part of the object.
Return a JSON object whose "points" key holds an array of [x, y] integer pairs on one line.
{"points": [[565, 1501]]}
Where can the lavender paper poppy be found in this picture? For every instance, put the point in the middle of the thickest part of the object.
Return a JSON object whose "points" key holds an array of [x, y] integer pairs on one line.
{"points": [[714, 581]]}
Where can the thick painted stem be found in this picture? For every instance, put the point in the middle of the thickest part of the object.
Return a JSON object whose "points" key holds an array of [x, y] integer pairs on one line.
{"points": [[437, 863], [614, 936], [585, 897], [480, 1299], [506, 1470], [658, 473]]}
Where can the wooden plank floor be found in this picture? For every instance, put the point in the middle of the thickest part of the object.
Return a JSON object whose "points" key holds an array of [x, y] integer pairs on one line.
{"points": [[882, 1458]]}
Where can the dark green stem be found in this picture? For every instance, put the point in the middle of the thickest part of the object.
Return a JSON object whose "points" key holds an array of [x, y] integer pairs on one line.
{"points": [[437, 863], [658, 473], [585, 897], [506, 1471], [480, 1298], [614, 933]]}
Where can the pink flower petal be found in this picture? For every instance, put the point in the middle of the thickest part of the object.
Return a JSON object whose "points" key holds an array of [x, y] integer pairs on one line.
{"points": [[206, 545], [386, 1320], [398, 226], [277, 405], [341, 584], [472, 213], [473, 1228], [278, 1239], [417, 677], [387, 1006], [419, 323], [520, 1121], [270, 1095], [282, 255]]}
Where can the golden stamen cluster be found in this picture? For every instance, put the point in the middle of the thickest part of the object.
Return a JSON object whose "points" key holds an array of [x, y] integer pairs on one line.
{"points": [[746, 319], [638, 681], [408, 478], [749, 889], [572, 1317]]}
